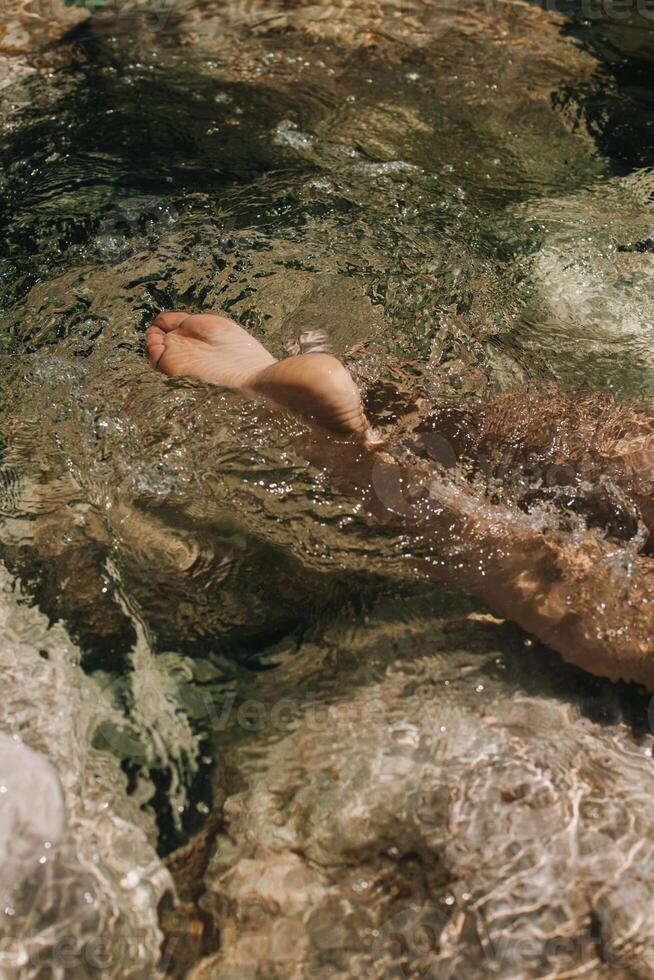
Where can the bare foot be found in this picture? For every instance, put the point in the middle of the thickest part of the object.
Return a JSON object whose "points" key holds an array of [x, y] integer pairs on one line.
{"points": [[204, 346], [216, 349]]}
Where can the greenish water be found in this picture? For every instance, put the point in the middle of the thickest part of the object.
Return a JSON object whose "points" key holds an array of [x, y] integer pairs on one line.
{"points": [[459, 199]]}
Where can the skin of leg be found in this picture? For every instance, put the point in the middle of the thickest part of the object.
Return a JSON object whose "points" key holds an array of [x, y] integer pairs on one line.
{"points": [[589, 441], [566, 593]]}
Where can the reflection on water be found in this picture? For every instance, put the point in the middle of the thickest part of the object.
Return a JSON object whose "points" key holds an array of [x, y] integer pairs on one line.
{"points": [[422, 185]]}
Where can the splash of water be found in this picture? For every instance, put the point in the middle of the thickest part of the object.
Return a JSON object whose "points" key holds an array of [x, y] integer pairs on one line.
{"points": [[75, 845]]}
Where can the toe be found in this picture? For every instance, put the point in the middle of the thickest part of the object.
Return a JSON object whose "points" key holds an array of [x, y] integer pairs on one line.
{"points": [[155, 344], [171, 320]]}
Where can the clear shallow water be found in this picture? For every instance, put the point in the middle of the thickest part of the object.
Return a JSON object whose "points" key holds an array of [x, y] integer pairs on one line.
{"points": [[424, 189]]}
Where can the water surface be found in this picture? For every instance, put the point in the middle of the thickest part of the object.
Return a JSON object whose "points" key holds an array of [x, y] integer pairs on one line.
{"points": [[446, 197]]}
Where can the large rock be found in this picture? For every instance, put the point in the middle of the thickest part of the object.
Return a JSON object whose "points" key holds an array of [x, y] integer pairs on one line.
{"points": [[423, 812], [81, 881]]}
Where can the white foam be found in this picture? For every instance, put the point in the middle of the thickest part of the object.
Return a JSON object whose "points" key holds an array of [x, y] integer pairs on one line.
{"points": [[81, 880]]}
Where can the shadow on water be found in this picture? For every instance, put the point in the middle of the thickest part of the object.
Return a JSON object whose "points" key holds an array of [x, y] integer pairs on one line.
{"points": [[619, 104]]}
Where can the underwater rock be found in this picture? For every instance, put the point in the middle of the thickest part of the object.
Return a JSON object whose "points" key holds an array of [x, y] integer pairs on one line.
{"points": [[424, 812], [26, 28], [81, 879], [32, 814], [588, 292]]}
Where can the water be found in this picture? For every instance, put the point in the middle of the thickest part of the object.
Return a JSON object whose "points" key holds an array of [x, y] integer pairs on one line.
{"points": [[81, 878], [251, 687]]}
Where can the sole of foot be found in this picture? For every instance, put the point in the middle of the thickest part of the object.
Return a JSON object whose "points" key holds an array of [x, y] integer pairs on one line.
{"points": [[215, 349]]}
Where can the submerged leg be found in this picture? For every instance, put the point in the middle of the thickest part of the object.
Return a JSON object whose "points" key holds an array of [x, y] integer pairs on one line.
{"points": [[538, 439], [584, 596], [570, 592]]}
